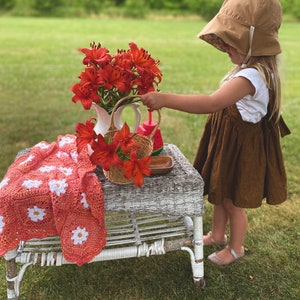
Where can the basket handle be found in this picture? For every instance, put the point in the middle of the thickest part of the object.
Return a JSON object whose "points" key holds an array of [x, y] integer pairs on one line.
{"points": [[112, 124]]}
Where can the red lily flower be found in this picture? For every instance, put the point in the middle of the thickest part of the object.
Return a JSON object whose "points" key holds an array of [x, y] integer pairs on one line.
{"points": [[123, 60], [112, 77], [91, 77], [136, 168], [105, 154], [85, 133], [125, 139], [145, 83], [96, 56], [85, 95], [144, 62]]}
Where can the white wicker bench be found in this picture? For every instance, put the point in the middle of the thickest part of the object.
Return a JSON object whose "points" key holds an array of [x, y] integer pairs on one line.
{"points": [[164, 215]]}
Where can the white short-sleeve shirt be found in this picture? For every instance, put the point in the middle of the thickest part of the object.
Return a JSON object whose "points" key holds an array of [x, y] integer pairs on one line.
{"points": [[253, 108]]}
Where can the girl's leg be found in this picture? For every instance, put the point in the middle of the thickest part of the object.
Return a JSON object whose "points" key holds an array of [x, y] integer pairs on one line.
{"points": [[219, 222], [238, 228], [238, 225]]}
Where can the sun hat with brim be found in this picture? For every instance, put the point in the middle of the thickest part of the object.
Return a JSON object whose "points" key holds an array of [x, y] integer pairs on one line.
{"points": [[250, 26]]}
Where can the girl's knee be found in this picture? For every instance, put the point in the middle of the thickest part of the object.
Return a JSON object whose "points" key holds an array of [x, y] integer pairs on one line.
{"points": [[230, 207]]}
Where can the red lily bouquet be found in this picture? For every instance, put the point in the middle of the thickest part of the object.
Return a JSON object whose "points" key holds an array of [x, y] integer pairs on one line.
{"points": [[120, 152], [105, 80], [108, 78]]}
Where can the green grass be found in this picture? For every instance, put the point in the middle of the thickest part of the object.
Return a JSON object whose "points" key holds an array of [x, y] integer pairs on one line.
{"points": [[38, 64]]}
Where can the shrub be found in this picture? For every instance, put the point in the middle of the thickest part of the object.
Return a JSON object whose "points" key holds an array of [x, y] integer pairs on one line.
{"points": [[295, 9], [156, 4], [204, 8], [291, 7], [92, 6], [136, 9], [7, 4], [46, 6]]}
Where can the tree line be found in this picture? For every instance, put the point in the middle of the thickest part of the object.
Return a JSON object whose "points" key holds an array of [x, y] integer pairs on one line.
{"points": [[127, 8]]}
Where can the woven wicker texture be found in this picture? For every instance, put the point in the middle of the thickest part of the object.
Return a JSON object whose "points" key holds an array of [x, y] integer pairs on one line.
{"points": [[126, 232], [168, 190]]}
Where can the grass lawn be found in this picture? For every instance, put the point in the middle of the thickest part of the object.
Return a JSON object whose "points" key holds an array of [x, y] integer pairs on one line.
{"points": [[38, 63]]}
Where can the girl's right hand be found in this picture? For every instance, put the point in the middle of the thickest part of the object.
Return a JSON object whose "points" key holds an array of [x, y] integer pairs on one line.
{"points": [[152, 100]]}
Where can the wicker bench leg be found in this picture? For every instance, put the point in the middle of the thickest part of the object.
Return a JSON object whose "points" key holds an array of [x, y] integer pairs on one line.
{"points": [[198, 268], [11, 275], [196, 256]]}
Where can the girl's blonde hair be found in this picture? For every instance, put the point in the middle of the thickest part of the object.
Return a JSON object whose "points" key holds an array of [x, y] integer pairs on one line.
{"points": [[267, 66]]}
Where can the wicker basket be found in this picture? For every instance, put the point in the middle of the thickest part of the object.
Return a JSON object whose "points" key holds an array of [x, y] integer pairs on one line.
{"points": [[115, 174]]}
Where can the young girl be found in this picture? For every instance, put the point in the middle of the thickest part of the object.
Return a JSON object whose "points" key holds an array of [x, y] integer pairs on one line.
{"points": [[239, 155]]}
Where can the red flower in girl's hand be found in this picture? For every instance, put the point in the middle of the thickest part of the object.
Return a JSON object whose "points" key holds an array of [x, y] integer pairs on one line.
{"points": [[125, 139], [105, 154], [85, 133], [136, 168]]}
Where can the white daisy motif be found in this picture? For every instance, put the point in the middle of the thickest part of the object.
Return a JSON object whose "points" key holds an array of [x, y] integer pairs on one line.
{"points": [[83, 201], [79, 235], [36, 214], [66, 140], [42, 145], [66, 171], [47, 169], [28, 159], [74, 156], [1, 224], [58, 186], [31, 183], [61, 154], [4, 182]]}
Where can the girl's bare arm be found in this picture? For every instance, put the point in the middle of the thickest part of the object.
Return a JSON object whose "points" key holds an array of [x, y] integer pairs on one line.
{"points": [[226, 95]]}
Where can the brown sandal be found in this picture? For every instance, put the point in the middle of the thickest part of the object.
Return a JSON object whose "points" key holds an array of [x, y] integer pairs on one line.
{"points": [[209, 240]]}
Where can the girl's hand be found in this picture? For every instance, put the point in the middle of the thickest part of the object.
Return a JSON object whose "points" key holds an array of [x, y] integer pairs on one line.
{"points": [[152, 100]]}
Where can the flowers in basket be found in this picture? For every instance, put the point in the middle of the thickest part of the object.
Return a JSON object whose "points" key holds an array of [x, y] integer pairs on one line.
{"points": [[105, 80], [108, 78], [119, 151]]}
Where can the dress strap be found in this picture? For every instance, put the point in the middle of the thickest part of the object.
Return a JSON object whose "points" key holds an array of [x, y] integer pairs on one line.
{"points": [[283, 128]]}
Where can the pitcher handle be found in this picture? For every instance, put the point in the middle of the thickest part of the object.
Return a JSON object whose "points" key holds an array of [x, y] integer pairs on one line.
{"points": [[118, 116]]}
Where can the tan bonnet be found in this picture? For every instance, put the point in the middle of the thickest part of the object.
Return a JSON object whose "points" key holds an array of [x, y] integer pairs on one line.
{"points": [[250, 26]]}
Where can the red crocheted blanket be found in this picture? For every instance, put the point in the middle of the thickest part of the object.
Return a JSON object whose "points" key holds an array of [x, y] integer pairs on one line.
{"points": [[52, 190]]}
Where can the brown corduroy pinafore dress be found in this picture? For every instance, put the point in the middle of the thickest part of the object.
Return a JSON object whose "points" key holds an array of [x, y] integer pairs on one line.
{"points": [[242, 161]]}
